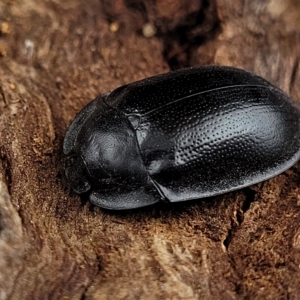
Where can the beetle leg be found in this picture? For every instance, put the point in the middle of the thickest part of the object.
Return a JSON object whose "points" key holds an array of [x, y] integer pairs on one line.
{"points": [[121, 200]]}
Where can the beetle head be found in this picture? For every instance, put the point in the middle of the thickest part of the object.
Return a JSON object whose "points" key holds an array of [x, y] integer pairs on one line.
{"points": [[105, 154]]}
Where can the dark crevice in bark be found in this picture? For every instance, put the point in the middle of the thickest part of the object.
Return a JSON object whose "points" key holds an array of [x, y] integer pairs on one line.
{"points": [[92, 283], [83, 296], [6, 166], [190, 26], [197, 28], [237, 222], [234, 227], [2, 94], [228, 238], [294, 75], [250, 197]]}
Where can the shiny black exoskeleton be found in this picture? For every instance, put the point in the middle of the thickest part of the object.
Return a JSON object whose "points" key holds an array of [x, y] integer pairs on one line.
{"points": [[183, 135]]}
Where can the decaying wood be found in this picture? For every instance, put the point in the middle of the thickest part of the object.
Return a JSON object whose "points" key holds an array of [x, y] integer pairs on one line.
{"points": [[58, 55]]}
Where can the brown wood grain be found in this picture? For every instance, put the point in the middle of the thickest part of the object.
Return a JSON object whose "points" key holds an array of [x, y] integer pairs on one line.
{"points": [[58, 55]]}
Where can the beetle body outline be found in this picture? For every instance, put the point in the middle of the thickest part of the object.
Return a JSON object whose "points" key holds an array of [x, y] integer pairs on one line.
{"points": [[184, 135]]}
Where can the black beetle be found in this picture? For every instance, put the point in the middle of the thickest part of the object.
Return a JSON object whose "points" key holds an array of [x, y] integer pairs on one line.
{"points": [[183, 135]]}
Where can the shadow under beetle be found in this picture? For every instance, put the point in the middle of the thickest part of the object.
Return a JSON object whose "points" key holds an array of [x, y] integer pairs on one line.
{"points": [[183, 135]]}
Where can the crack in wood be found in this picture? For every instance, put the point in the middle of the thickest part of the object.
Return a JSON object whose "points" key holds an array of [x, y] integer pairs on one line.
{"points": [[236, 222]]}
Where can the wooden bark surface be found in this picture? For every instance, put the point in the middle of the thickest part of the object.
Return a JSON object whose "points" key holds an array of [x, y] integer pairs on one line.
{"points": [[58, 55]]}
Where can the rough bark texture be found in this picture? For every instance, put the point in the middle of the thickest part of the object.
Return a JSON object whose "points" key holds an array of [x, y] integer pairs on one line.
{"points": [[58, 55]]}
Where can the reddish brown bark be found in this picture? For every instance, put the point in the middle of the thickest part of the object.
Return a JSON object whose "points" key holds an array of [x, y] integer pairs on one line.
{"points": [[56, 57]]}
